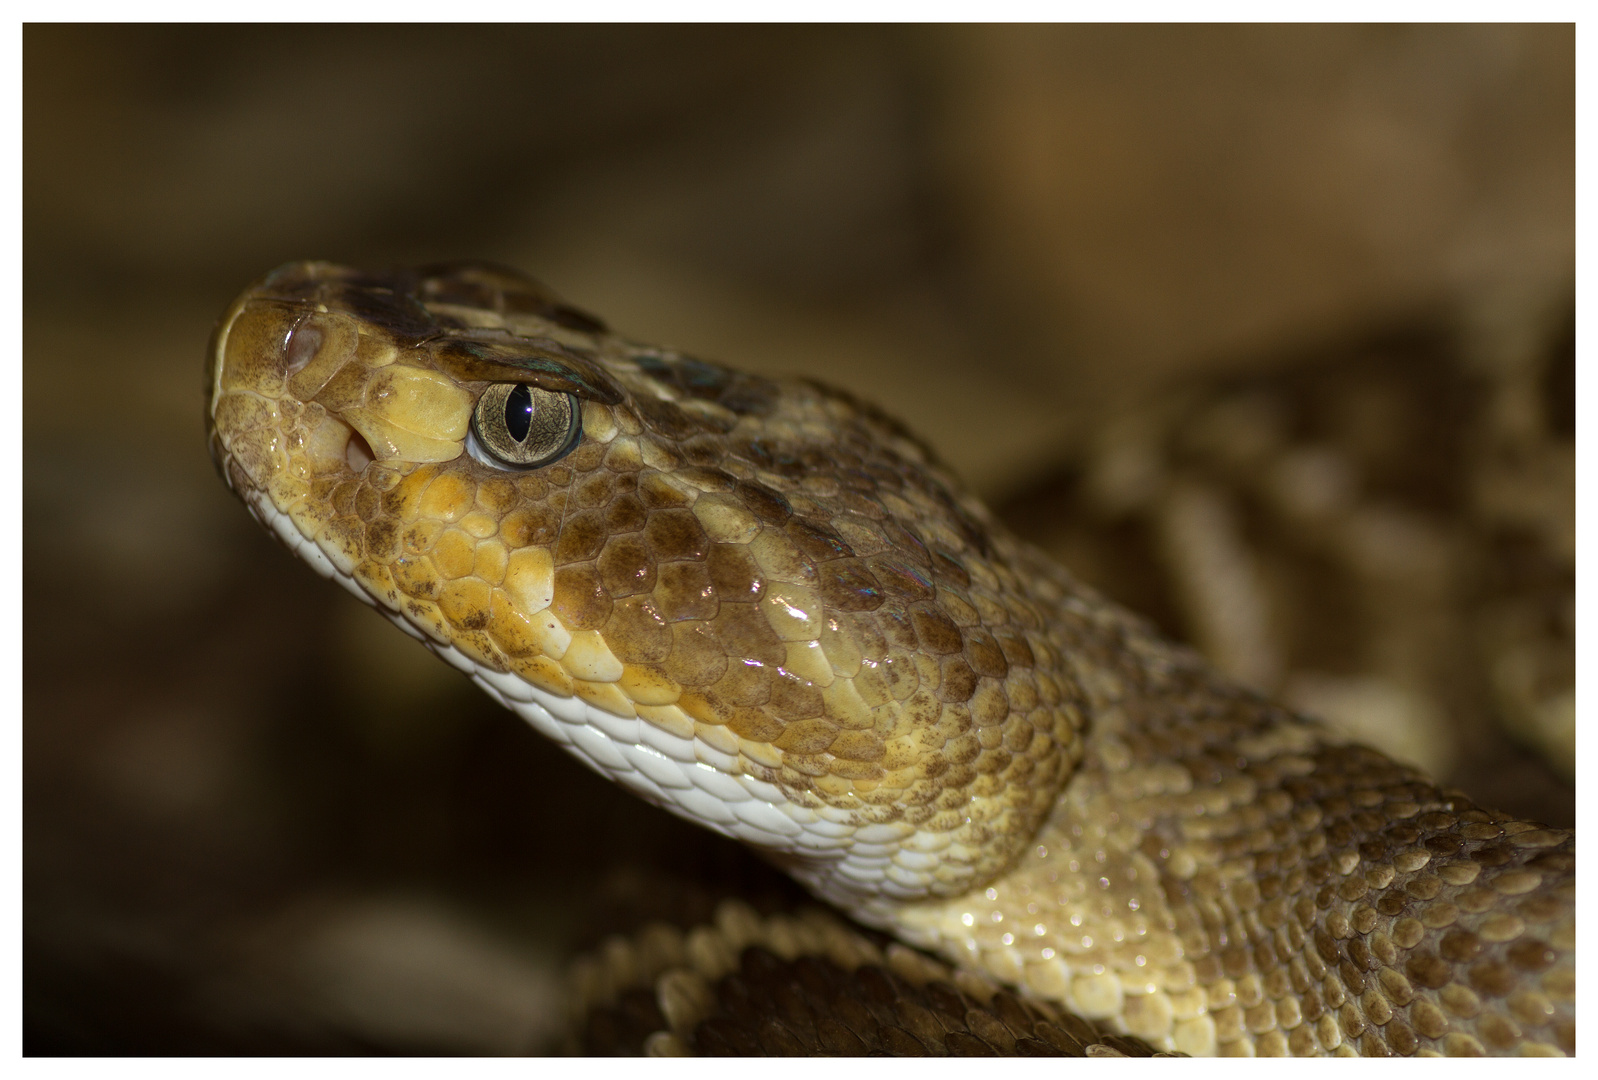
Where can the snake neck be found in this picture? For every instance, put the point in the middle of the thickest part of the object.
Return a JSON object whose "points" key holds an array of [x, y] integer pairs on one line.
{"points": [[1220, 875]]}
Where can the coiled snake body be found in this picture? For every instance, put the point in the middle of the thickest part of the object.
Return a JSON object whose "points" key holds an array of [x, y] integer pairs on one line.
{"points": [[765, 607]]}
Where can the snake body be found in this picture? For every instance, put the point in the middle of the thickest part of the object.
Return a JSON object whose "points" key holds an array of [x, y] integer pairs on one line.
{"points": [[766, 607]]}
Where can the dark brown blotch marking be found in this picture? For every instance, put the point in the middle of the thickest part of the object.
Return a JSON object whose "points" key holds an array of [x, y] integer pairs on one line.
{"points": [[1016, 650], [595, 489], [935, 630], [806, 736], [707, 448], [697, 656], [1459, 946], [899, 579], [580, 598], [586, 458], [858, 746], [625, 566], [990, 1030], [734, 573], [907, 543], [1529, 954], [846, 585], [389, 308], [983, 653], [750, 396], [745, 682], [665, 418], [818, 543], [582, 535], [1310, 1003], [897, 628], [490, 356], [636, 633], [684, 591], [1400, 1038], [675, 534], [774, 459], [382, 539], [958, 682], [766, 504], [755, 725], [625, 514], [1428, 970], [860, 503], [745, 634], [837, 1040], [794, 698]]}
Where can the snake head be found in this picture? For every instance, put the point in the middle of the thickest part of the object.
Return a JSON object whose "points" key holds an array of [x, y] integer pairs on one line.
{"points": [[757, 603]]}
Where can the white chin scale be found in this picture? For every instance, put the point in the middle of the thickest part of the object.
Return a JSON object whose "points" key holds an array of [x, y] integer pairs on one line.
{"points": [[867, 869], [282, 526], [843, 862]]}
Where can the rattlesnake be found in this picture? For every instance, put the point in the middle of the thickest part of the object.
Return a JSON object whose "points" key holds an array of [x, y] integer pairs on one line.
{"points": [[766, 607]]}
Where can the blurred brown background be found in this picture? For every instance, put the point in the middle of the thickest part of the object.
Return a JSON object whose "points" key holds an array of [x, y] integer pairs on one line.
{"points": [[1277, 307]]}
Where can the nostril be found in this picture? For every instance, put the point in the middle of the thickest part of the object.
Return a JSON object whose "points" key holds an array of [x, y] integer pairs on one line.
{"points": [[359, 452], [302, 345]]}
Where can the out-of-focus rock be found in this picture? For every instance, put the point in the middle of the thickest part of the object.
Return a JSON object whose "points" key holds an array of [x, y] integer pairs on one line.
{"points": [[1142, 199]]}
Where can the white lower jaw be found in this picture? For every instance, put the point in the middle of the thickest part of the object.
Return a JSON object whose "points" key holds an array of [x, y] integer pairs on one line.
{"points": [[858, 867]]}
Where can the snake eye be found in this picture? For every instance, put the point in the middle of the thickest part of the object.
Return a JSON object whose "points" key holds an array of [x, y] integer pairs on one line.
{"points": [[522, 427]]}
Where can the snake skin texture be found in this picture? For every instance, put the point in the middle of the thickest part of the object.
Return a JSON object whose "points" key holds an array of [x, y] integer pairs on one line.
{"points": [[765, 607], [806, 985]]}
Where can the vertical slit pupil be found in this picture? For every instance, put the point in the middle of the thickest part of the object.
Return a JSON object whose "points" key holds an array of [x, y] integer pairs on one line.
{"points": [[519, 413]]}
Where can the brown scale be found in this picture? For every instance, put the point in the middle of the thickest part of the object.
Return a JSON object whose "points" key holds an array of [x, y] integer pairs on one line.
{"points": [[1349, 905], [784, 574], [806, 986]]}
